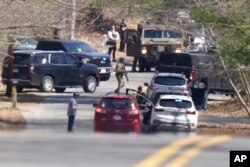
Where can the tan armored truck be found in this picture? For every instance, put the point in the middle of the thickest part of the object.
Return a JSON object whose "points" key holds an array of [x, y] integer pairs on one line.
{"points": [[148, 42]]}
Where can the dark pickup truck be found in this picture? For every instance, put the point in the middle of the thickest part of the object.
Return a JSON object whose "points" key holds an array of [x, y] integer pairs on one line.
{"points": [[197, 68], [82, 51]]}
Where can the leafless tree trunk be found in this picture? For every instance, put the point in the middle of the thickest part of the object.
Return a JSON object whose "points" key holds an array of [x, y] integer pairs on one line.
{"points": [[73, 21], [234, 87]]}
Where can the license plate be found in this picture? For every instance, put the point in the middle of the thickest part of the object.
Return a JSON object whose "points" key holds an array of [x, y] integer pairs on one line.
{"points": [[15, 70], [117, 117], [103, 70]]}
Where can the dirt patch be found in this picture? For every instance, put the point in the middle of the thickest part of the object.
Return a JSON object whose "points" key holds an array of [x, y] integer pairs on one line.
{"points": [[231, 108], [11, 119]]}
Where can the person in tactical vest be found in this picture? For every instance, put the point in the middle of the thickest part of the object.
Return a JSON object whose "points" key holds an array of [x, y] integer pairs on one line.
{"points": [[120, 72]]}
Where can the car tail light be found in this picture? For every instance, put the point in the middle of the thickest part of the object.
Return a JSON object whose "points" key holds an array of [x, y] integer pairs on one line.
{"points": [[99, 110], [192, 75], [153, 87], [190, 112], [31, 68], [159, 110], [134, 112]]}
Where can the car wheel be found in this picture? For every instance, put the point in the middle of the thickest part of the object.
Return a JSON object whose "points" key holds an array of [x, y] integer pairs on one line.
{"points": [[191, 129], [47, 84], [19, 89], [60, 90], [90, 84], [152, 129]]}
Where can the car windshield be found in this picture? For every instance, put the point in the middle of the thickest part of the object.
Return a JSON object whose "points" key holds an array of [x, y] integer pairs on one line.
{"points": [[158, 34], [79, 47], [171, 34], [176, 103], [116, 103], [169, 81], [153, 34], [22, 59], [27, 41]]}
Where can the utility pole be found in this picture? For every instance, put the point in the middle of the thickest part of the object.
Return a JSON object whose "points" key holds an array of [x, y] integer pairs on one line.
{"points": [[73, 21], [10, 57]]}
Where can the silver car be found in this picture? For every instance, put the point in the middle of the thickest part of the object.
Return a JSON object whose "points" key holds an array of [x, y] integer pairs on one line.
{"points": [[169, 83]]}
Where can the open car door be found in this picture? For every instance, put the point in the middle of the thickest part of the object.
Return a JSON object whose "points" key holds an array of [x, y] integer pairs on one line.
{"points": [[200, 94], [133, 44]]}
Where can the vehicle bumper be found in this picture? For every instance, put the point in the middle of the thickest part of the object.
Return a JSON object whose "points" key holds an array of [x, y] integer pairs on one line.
{"points": [[104, 72], [107, 126], [183, 120], [19, 82]]}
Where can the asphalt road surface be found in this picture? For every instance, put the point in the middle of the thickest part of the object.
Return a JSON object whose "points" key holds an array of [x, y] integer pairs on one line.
{"points": [[45, 142]]}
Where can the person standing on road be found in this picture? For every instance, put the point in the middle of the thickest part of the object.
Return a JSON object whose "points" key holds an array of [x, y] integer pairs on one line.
{"points": [[123, 34], [136, 40], [113, 37], [120, 72], [72, 110]]}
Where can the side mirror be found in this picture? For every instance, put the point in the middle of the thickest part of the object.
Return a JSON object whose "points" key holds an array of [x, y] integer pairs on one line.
{"points": [[85, 60], [95, 105]]}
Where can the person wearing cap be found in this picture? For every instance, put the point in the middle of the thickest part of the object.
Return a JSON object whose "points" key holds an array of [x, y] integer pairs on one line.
{"points": [[120, 72], [72, 110]]}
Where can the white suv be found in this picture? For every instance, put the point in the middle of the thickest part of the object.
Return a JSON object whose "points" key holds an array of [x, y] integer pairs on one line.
{"points": [[170, 83], [177, 110]]}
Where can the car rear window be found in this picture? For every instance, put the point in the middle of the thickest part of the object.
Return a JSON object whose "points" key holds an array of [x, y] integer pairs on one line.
{"points": [[22, 59], [177, 103], [117, 103], [169, 81]]}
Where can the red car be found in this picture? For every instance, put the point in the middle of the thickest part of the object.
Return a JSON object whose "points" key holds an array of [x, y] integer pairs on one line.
{"points": [[117, 113]]}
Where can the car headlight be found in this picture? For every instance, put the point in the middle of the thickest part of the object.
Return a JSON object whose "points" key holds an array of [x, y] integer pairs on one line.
{"points": [[178, 50], [144, 50]]}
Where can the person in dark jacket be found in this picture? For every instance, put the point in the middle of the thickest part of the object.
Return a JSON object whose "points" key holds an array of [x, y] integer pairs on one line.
{"points": [[137, 42], [123, 34], [72, 110]]}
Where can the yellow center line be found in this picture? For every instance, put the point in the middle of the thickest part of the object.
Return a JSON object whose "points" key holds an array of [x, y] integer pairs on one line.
{"points": [[185, 157], [163, 154]]}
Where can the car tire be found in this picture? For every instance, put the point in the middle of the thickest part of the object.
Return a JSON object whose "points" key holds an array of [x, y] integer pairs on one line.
{"points": [[47, 84], [90, 84], [19, 89], [60, 90], [152, 129]]}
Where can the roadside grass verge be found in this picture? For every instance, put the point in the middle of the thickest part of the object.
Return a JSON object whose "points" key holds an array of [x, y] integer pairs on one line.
{"points": [[10, 118]]}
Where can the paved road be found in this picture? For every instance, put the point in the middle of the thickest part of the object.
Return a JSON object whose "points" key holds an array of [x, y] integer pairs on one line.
{"points": [[46, 142], [39, 149]]}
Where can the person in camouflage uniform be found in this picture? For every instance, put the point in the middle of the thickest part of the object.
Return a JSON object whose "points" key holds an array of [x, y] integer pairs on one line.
{"points": [[120, 72]]}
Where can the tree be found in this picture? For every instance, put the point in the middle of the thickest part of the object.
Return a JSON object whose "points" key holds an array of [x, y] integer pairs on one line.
{"points": [[230, 24]]}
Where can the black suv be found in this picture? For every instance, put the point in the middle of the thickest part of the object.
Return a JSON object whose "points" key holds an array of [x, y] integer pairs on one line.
{"points": [[46, 70], [82, 51]]}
